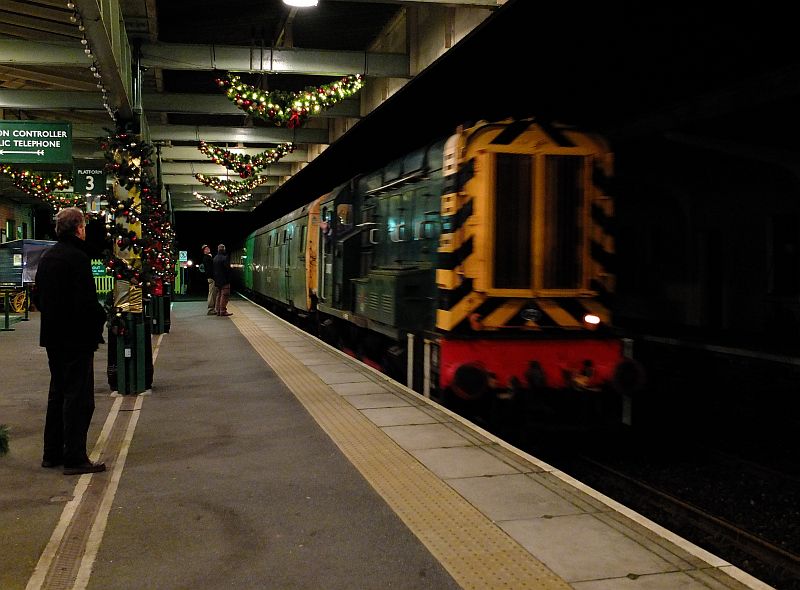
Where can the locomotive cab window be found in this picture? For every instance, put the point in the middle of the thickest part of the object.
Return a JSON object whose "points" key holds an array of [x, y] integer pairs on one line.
{"points": [[326, 229], [512, 221], [563, 222], [536, 223]]}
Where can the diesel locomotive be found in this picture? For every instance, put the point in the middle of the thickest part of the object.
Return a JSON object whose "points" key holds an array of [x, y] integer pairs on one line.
{"points": [[477, 270]]}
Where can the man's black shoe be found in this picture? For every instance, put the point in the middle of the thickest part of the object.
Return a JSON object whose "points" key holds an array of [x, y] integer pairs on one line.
{"points": [[50, 464], [88, 467]]}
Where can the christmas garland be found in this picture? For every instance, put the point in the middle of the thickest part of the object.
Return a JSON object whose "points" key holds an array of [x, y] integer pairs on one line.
{"points": [[232, 188], [245, 164], [153, 245], [289, 108], [221, 205], [43, 187]]}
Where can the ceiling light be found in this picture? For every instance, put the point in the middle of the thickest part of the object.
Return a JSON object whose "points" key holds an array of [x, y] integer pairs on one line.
{"points": [[300, 3]]}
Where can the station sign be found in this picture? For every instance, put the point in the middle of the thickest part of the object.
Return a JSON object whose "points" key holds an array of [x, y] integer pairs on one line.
{"points": [[35, 142], [89, 177]]}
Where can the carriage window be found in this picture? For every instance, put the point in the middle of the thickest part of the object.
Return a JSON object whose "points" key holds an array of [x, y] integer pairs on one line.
{"points": [[428, 229]]}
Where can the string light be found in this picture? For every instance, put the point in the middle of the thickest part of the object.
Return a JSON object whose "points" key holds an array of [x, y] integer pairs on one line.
{"points": [[232, 188], [289, 108], [76, 18], [43, 187], [245, 164], [140, 222], [218, 205]]}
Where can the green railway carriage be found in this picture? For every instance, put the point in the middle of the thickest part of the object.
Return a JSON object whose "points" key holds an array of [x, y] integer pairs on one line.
{"points": [[273, 262]]}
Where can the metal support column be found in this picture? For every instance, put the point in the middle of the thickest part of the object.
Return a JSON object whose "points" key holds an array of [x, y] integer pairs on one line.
{"points": [[25, 318], [7, 308]]}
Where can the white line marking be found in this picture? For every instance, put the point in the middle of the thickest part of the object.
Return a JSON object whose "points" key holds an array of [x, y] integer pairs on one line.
{"points": [[49, 553], [101, 519], [157, 347]]}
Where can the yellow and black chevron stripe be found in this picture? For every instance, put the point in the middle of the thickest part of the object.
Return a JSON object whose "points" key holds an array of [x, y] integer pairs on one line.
{"points": [[463, 308]]}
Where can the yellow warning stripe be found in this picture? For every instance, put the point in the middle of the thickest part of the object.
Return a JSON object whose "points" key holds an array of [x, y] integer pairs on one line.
{"points": [[447, 279], [501, 316], [558, 314], [450, 318]]}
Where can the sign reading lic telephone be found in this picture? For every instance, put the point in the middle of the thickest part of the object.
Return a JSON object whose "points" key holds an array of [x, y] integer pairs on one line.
{"points": [[35, 142]]}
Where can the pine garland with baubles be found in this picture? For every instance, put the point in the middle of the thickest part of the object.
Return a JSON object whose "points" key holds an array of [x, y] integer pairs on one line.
{"points": [[244, 164], [289, 108]]}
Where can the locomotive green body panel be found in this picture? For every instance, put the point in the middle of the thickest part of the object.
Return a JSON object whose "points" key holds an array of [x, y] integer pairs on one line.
{"points": [[398, 297]]}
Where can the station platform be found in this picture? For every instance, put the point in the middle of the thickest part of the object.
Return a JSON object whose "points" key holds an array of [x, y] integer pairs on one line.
{"points": [[264, 459]]}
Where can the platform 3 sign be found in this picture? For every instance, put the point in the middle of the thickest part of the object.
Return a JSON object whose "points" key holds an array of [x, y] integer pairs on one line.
{"points": [[35, 142], [89, 177]]}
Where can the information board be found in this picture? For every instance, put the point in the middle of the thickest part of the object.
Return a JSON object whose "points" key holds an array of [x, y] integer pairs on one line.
{"points": [[35, 142]]}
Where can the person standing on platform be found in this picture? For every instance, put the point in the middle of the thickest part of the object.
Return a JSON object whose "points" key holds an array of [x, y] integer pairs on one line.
{"points": [[72, 321], [222, 278], [208, 268]]}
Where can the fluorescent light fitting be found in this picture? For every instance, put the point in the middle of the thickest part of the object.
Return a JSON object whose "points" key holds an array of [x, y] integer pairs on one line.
{"points": [[301, 3]]}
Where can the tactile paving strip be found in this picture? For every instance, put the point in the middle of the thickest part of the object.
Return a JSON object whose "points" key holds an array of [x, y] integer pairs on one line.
{"points": [[476, 552]]}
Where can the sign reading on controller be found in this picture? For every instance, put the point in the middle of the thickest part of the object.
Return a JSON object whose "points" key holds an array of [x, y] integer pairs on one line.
{"points": [[35, 142]]}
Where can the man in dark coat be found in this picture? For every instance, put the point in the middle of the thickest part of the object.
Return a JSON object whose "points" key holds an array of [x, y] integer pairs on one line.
{"points": [[222, 278], [208, 268], [72, 321]]}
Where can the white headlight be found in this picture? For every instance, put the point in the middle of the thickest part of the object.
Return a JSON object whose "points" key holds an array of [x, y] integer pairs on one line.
{"points": [[591, 319]]}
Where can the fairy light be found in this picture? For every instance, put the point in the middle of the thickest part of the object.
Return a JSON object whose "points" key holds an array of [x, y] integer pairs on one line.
{"points": [[77, 19], [232, 188], [245, 164], [220, 205], [289, 108]]}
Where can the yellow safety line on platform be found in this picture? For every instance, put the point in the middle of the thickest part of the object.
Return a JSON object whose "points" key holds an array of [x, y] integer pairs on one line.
{"points": [[475, 551]]}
